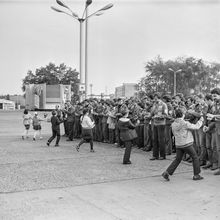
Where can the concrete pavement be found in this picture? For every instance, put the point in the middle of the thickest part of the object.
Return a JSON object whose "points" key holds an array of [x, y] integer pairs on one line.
{"points": [[40, 182]]}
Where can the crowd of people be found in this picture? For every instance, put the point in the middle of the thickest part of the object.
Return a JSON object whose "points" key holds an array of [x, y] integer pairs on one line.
{"points": [[189, 126]]}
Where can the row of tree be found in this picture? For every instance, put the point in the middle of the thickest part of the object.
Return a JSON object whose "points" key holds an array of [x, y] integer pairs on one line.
{"points": [[195, 76]]}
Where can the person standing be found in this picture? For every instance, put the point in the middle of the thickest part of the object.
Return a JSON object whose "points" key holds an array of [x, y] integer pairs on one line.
{"points": [[159, 113], [87, 133], [36, 121], [215, 124], [182, 131], [26, 122], [210, 134], [70, 120], [55, 122], [127, 135]]}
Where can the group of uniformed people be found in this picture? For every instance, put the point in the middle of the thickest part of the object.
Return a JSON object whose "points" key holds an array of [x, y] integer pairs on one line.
{"points": [[152, 117]]}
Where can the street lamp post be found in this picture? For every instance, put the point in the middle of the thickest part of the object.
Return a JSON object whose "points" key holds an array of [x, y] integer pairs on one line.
{"points": [[90, 89], [174, 79], [81, 20]]}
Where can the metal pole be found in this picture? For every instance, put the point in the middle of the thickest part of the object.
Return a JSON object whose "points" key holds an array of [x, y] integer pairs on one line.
{"points": [[174, 83], [80, 49], [86, 55], [91, 90]]}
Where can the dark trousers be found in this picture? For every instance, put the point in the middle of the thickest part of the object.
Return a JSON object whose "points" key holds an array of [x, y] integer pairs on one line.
{"points": [[87, 141], [77, 127], [159, 141], [127, 154], [140, 133], [147, 136], [65, 127], [179, 155], [168, 139], [111, 133], [56, 133], [211, 148], [105, 131], [70, 125], [218, 145], [99, 129], [117, 135]]}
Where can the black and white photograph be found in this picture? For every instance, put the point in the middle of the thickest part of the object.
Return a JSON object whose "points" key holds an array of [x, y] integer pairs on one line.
{"points": [[109, 109]]}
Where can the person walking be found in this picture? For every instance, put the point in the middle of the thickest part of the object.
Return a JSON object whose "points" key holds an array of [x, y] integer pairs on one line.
{"points": [[26, 122], [182, 131], [55, 122], [127, 134], [87, 133], [36, 121]]}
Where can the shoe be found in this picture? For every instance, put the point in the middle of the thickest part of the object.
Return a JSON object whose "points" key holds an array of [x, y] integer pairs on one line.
{"points": [[217, 172], [57, 145], [92, 151], [154, 158], [197, 177], [69, 140], [214, 167], [162, 158], [128, 162], [22, 137], [48, 144], [34, 139], [165, 175], [207, 166], [77, 148]]}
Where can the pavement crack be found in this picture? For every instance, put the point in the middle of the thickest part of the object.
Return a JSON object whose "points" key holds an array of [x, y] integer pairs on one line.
{"points": [[94, 205], [88, 184]]}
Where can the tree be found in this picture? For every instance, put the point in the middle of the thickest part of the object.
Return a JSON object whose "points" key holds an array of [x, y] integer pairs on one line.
{"points": [[195, 74], [51, 75]]}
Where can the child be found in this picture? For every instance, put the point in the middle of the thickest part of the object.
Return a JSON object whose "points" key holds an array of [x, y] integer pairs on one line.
{"points": [[87, 126], [26, 122], [36, 122], [55, 121]]}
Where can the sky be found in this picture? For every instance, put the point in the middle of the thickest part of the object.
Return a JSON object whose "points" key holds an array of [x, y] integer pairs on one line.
{"points": [[120, 42]]}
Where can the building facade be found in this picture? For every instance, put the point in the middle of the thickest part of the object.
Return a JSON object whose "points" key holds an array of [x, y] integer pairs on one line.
{"points": [[127, 90], [42, 96], [7, 104], [18, 99]]}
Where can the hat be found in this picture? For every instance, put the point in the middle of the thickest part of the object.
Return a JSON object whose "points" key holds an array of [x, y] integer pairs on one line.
{"points": [[35, 113]]}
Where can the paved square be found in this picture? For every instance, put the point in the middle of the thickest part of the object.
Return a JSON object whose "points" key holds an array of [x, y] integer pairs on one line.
{"points": [[40, 182]]}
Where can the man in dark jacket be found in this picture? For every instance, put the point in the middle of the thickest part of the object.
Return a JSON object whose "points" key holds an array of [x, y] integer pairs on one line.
{"points": [[70, 120], [55, 122], [127, 134]]}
